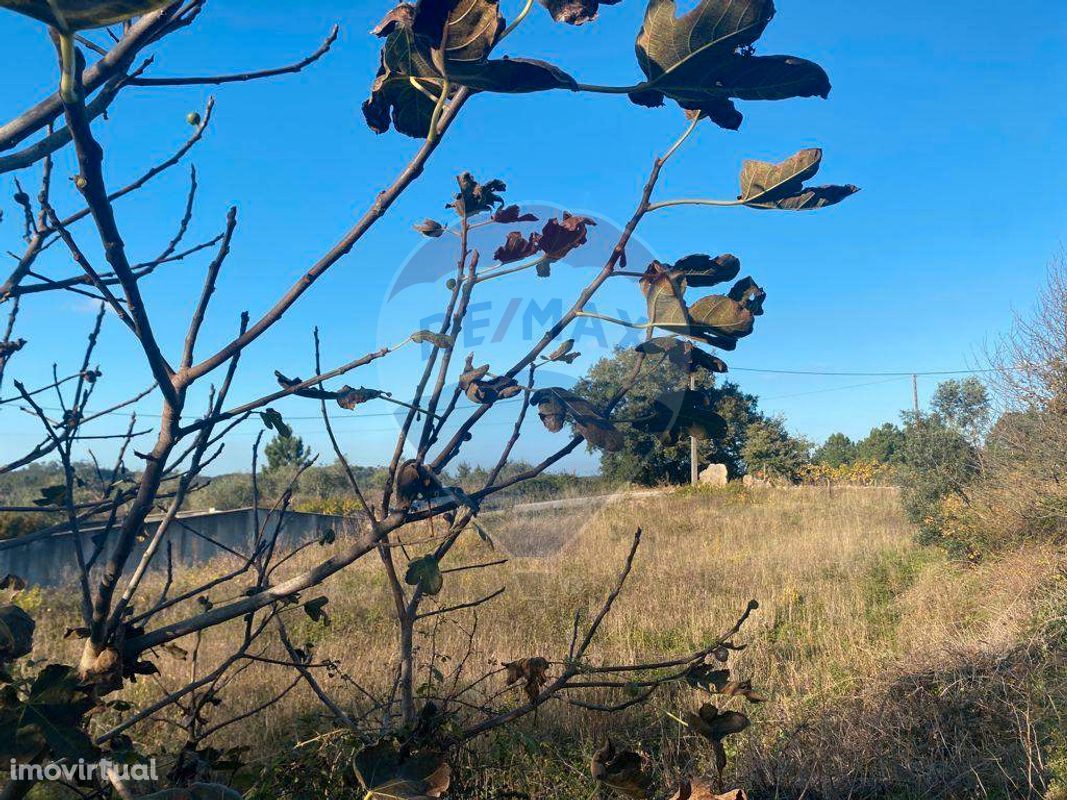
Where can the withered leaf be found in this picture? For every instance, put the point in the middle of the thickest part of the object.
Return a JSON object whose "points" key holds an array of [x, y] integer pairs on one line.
{"points": [[510, 75], [683, 354], [405, 55], [532, 671], [781, 186], [716, 725], [453, 35], [10, 346], [512, 213], [436, 339], [748, 293], [474, 198], [622, 770], [702, 790], [314, 392], [722, 316], [348, 398], [575, 12], [742, 689], [707, 677], [517, 247], [703, 59], [176, 650], [430, 228], [415, 481], [702, 270], [486, 392], [559, 237], [557, 406], [565, 352]]}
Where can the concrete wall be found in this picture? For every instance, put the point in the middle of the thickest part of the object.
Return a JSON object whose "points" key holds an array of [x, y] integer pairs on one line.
{"points": [[50, 560]]}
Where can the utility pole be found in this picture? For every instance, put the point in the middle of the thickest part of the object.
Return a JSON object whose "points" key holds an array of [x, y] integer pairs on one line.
{"points": [[915, 392], [694, 464]]}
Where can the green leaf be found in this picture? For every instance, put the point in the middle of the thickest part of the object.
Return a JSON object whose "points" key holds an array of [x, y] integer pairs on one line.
{"points": [[703, 59], [273, 420], [51, 496], [425, 572], [55, 708], [684, 412], [16, 633], [385, 775], [316, 609], [781, 186], [196, 791], [77, 15]]}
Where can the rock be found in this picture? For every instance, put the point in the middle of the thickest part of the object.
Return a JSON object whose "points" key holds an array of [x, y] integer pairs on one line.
{"points": [[754, 482], [714, 475]]}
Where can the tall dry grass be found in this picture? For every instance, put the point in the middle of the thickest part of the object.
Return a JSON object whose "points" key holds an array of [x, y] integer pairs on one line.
{"points": [[890, 671]]}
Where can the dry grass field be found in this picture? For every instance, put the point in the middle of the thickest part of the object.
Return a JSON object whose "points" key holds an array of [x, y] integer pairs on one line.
{"points": [[890, 672]]}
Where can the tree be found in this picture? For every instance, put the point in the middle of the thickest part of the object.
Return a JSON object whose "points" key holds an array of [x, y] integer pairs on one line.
{"points": [[436, 55], [964, 405], [771, 451], [645, 458], [883, 445], [285, 451], [836, 451]]}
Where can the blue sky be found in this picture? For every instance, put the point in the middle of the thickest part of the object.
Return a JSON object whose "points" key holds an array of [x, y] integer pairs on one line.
{"points": [[947, 115]]}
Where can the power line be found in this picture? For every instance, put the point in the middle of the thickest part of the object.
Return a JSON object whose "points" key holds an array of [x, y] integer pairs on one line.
{"points": [[891, 376], [906, 374], [834, 389]]}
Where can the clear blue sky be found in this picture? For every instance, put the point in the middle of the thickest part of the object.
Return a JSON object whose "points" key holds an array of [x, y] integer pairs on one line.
{"points": [[950, 116]]}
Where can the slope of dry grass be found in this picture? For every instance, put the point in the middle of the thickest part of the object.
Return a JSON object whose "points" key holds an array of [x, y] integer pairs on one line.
{"points": [[890, 671]]}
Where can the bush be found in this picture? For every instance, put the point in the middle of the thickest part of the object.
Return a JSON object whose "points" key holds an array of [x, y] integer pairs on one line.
{"points": [[939, 463], [863, 472], [13, 525]]}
